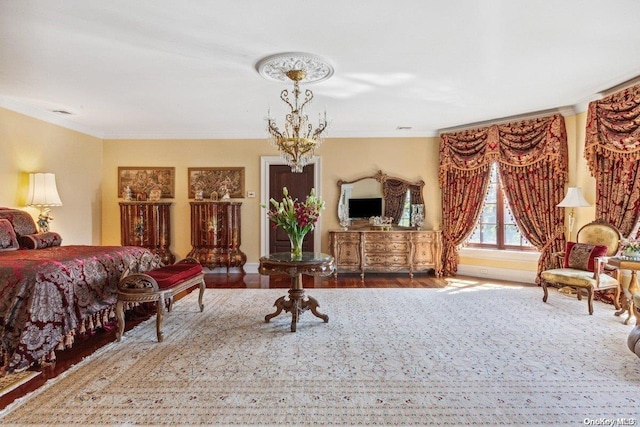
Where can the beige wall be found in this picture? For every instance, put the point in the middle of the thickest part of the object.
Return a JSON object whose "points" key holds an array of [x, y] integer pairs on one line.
{"points": [[86, 173], [347, 159], [31, 145]]}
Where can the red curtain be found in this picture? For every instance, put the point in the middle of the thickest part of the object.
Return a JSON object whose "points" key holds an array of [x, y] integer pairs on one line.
{"points": [[612, 151], [394, 192], [532, 158]]}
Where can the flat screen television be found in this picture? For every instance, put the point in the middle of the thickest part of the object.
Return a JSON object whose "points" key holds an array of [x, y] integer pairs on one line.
{"points": [[365, 208]]}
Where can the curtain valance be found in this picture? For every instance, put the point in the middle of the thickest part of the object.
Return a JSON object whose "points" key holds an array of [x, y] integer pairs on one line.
{"points": [[613, 128], [513, 144]]}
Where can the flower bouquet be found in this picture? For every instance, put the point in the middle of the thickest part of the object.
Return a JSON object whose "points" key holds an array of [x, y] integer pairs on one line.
{"points": [[631, 248], [295, 218]]}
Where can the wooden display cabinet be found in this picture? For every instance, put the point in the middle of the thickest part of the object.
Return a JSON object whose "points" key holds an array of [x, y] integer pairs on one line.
{"points": [[147, 224], [215, 234]]}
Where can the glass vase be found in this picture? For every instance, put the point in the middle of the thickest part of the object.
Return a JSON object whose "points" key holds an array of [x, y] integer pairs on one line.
{"points": [[296, 246], [632, 254]]}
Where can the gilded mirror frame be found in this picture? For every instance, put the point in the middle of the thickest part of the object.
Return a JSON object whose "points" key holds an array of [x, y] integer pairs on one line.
{"points": [[415, 186]]}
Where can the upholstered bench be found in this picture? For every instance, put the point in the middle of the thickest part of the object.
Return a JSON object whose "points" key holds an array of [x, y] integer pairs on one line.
{"points": [[159, 286]]}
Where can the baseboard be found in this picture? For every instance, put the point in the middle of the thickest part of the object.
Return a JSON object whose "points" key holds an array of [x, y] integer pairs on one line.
{"points": [[520, 276], [249, 268]]}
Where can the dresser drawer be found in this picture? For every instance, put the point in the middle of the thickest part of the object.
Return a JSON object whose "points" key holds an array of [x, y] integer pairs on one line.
{"points": [[345, 236], [387, 246], [386, 260]]}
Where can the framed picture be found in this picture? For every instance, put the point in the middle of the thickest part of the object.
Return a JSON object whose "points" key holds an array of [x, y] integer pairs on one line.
{"points": [[143, 180], [214, 183]]}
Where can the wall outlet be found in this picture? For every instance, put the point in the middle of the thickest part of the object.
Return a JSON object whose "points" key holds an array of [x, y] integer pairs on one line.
{"points": [[251, 194]]}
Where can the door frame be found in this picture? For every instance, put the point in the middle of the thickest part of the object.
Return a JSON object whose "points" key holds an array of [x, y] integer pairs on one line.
{"points": [[265, 162]]}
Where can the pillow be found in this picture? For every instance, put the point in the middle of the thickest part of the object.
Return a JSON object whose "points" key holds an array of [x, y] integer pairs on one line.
{"points": [[581, 255], [40, 240], [21, 220], [8, 240]]}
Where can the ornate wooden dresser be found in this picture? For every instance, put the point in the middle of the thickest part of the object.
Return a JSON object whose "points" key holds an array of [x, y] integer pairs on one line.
{"points": [[147, 224], [387, 251], [215, 234]]}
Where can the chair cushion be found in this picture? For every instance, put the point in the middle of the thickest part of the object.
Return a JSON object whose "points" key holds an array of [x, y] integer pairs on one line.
{"points": [[8, 240], [578, 278], [581, 255], [171, 275]]}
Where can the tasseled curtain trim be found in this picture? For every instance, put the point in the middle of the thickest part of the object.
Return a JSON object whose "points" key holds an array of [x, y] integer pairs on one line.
{"points": [[513, 145]]}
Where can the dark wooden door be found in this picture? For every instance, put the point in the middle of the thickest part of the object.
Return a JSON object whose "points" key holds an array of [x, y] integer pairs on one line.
{"points": [[299, 186]]}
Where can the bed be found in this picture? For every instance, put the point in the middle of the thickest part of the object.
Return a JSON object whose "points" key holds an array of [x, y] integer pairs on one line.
{"points": [[49, 293]]}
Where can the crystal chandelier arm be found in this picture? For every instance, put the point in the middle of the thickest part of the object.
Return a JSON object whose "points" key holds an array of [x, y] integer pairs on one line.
{"points": [[284, 96], [273, 129], [321, 127], [308, 96]]}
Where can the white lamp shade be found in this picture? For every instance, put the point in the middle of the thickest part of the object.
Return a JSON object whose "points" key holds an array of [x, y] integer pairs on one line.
{"points": [[42, 190], [573, 199]]}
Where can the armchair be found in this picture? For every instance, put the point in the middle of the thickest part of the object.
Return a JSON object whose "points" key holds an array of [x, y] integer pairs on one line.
{"points": [[584, 263]]}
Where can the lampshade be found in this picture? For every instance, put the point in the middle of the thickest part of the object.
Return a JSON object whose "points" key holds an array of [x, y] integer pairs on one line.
{"points": [[573, 199], [43, 191]]}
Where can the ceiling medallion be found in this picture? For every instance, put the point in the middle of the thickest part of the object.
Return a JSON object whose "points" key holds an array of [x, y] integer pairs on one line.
{"points": [[298, 140], [275, 67]]}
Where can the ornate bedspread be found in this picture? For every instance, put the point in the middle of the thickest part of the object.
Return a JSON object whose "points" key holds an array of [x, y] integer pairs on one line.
{"points": [[48, 294]]}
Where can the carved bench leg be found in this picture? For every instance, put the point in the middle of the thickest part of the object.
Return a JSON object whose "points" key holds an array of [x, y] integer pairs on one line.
{"points": [[201, 294], [159, 317], [120, 318]]}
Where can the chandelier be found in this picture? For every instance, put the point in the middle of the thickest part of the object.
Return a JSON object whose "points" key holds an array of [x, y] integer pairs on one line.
{"points": [[297, 140]]}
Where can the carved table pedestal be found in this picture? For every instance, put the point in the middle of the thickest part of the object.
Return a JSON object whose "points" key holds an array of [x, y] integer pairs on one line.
{"points": [[312, 264]]}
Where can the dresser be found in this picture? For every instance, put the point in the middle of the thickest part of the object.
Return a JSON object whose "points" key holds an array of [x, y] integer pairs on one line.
{"points": [[147, 224], [387, 251], [215, 234]]}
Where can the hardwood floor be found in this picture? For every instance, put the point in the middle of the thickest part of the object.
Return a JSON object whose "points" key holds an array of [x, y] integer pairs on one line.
{"points": [[86, 346]]}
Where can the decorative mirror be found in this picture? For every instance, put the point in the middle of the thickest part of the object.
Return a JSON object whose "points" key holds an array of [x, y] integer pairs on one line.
{"points": [[381, 196]]}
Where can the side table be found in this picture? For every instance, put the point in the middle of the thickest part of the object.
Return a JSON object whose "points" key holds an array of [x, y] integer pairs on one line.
{"points": [[626, 263], [312, 264]]}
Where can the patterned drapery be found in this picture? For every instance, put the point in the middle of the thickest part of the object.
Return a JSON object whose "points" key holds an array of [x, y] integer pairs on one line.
{"points": [[612, 151], [394, 192], [532, 159]]}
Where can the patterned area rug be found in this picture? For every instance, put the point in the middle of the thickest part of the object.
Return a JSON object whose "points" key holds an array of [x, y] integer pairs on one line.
{"points": [[467, 354], [14, 380]]}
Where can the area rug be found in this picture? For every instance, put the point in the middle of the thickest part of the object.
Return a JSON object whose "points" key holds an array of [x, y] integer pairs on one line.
{"points": [[14, 380], [467, 354]]}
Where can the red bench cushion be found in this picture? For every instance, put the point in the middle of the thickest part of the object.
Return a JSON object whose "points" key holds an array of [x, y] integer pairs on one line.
{"points": [[171, 275]]}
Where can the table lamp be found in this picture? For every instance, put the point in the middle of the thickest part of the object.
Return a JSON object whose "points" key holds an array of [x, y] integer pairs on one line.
{"points": [[43, 194]]}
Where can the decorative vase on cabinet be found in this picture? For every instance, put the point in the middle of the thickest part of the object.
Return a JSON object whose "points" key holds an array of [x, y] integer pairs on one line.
{"points": [[147, 224], [215, 234]]}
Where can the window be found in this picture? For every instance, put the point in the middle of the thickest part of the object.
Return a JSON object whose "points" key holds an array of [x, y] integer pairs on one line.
{"points": [[496, 228], [405, 218]]}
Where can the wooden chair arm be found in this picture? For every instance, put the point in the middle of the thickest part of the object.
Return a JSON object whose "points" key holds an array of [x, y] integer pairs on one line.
{"points": [[558, 257]]}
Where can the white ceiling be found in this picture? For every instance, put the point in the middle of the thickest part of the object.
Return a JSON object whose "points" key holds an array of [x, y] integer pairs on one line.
{"points": [[187, 68]]}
